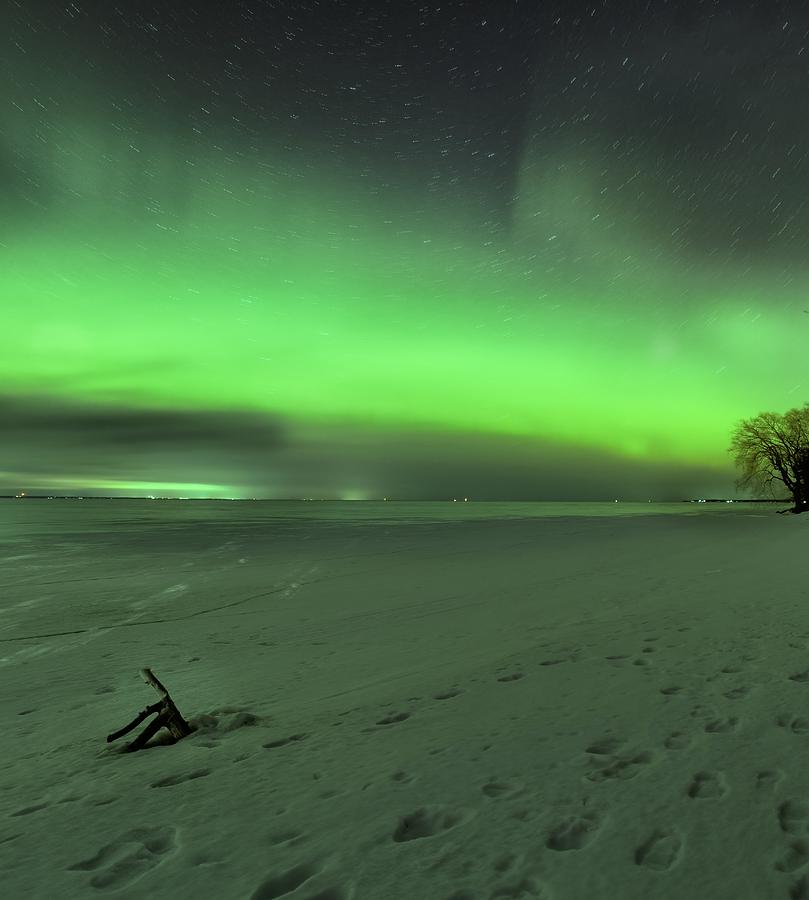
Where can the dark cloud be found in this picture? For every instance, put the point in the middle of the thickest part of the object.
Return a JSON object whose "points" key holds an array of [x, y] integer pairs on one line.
{"points": [[261, 455], [51, 429]]}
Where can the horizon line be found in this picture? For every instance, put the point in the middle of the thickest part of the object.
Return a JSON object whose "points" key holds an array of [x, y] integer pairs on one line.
{"points": [[27, 496]]}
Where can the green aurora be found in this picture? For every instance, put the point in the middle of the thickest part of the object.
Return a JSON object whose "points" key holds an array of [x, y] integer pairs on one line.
{"points": [[374, 332]]}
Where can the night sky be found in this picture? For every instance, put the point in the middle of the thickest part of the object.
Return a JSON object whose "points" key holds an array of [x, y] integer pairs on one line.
{"points": [[343, 249]]}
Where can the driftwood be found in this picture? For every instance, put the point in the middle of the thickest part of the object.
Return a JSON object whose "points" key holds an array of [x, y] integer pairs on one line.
{"points": [[168, 716]]}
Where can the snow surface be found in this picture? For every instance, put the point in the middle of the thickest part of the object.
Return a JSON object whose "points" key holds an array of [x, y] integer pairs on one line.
{"points": [[563, 708]]}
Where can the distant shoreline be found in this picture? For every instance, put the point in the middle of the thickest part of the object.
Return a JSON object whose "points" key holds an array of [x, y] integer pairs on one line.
{"points": [[372, 500]]}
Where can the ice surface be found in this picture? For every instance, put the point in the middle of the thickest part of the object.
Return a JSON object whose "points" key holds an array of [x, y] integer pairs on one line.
{"points": [[447, 707]]}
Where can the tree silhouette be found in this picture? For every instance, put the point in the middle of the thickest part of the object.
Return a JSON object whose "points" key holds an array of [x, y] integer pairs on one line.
{"points": [[771, 448]]}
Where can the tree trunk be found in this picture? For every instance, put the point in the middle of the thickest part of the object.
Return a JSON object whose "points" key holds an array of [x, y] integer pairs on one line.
{"points": [[800, 492]]}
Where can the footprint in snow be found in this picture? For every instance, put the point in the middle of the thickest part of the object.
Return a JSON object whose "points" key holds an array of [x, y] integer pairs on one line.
{"points": [[800, 890], [429, 821], [605, 746], [575, 832], [447, 695], [286, 882], [797, 855], [677, 740], [498, 790], [27, 810], [737, 693], [179, 779], [623, 767], [394, 718], [282, 742], [707, 785], [768, 779], [792, 816], [721, 726], [402, 777], [129, 857], [661, 850]]}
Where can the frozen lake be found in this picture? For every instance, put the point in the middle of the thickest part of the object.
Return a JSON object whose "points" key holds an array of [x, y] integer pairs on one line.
{"points": [[394, 701]]}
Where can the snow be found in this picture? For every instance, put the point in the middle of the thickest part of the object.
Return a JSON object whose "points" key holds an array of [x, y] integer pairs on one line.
{"points": [[557, 708]]}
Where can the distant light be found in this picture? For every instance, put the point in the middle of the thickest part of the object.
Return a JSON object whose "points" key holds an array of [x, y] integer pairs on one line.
{"points": [[466, 499]]}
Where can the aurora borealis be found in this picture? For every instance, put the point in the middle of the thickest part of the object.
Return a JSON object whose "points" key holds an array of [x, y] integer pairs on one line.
{"points": [[354, 250]]}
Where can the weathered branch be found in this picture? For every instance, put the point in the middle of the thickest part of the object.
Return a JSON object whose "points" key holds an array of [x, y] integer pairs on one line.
{"points": [[168, 716]]}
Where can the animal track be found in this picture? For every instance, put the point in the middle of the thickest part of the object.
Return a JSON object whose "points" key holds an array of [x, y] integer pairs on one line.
{"points": [[393, 718], [574, 832], [502, 789], [624, 767], [796, 856], [402, 777], [429, 821], [737, 693], [506, 862], [661, 851], [129, 857], [605, 746], [271, 745], [447, 695], [721, 726], [285, 883], [792, 816], [800, 890], [670, 691], [797, 725], [514, 676], [27, 810], [800, 676], [179, 779], [768, 779], [706, 785], [677, 740]]}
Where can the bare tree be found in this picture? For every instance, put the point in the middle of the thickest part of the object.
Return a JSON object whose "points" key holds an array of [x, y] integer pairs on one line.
{"points": [[771, 448]]}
